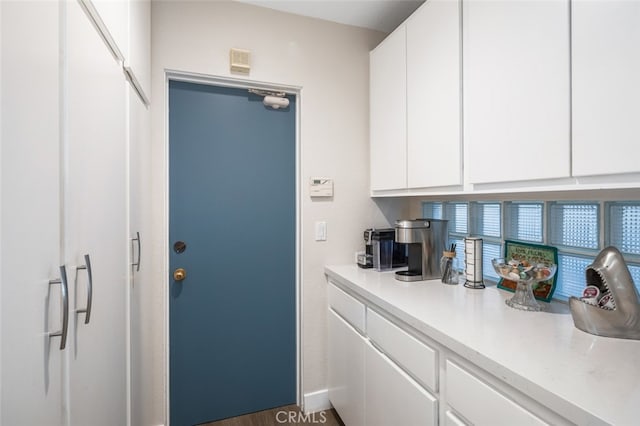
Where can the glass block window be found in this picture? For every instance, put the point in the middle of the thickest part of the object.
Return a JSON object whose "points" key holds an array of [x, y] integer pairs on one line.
{"points": [[523, 221], [624, 227], [488, 220], [635, 274], [571, 276], [458, 262], [456, 214], [574, 225], [490, 251], [432, 210]]}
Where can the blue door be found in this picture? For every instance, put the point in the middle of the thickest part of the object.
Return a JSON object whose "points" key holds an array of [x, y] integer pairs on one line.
{"points": [[232, 230]]}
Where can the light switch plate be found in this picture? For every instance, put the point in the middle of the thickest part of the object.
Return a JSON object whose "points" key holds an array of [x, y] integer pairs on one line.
{"points": [[321, 231]]}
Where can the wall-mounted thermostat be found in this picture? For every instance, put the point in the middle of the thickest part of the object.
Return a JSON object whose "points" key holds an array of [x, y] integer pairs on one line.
{"points": [[320, 187]]}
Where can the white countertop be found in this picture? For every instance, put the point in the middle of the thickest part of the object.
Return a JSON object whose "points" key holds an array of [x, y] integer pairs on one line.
{"points": [[585, 378]]}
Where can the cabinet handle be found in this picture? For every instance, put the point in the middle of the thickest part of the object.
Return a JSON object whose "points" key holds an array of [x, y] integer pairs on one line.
{"points": [[87, 267], [137, 264], [65, 307]]}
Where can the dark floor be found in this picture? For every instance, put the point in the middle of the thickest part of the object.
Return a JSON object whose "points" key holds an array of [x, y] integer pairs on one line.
{"points": [[288, 415]]}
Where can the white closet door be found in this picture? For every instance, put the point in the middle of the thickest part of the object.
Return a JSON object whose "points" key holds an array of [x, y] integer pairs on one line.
{"points": [[146, 363], [96, 224], [30, 233]]}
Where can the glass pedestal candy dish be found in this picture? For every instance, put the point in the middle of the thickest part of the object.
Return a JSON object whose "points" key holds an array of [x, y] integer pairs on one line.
{"points": [[526, 275]]}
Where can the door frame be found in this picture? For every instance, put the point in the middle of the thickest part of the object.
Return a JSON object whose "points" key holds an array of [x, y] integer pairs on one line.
{"points": [[212, 80]]}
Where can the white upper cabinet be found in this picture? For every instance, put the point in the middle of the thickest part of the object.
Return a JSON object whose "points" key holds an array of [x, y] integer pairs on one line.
{"points": [[606, 87], [388, 113], [516, 81], [433, 95]]}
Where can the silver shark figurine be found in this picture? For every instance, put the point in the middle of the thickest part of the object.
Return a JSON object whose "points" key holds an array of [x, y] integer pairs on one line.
{"points": [[609, 273]]}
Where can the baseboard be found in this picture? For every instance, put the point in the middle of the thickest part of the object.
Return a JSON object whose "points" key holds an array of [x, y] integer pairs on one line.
{"points": [[316, 401]]}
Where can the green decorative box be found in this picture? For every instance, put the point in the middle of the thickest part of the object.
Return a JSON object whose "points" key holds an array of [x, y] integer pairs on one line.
{"points": [[534, 253]]}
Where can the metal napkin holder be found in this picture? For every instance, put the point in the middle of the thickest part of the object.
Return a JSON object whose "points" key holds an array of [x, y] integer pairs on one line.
{"points": [[609, 272]]}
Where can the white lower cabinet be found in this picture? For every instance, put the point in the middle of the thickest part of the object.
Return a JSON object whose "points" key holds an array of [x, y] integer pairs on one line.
{"points": [[346, 370], [367, 387], [405, 350], [387, 373], [347, 307], [392, 397], [450, 419], [479, 403]]}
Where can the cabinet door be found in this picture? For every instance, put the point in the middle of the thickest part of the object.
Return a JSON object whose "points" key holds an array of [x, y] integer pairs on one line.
{"points": [[388, 113], [516, 90], [480, 403], [145, 302], [346, 370], [95, 195], [433, 95], [31, 362], [606, 88], [392, 397]]}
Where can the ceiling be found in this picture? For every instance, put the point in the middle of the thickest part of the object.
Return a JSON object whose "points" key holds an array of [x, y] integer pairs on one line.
{"points": [[380, 15]]}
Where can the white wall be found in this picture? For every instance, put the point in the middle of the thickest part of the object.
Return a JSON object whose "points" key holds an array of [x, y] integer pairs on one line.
{"points": [[331, 64]]}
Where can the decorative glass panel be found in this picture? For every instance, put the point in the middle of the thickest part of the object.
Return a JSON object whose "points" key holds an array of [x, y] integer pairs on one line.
{"points": [[574, 225], [490, 251], [523, 221], [488, 220], [456, 214], [571, 275], [624, 227], [432, 210], [635, 274], [458, 262]]}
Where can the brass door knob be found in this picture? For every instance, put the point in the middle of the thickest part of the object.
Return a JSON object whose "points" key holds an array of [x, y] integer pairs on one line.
{"points": [[179, 274]]}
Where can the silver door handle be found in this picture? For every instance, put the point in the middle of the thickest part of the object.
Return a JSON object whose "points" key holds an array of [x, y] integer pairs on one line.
{"points": [[87, 267], [137, 264], [65, 307]]}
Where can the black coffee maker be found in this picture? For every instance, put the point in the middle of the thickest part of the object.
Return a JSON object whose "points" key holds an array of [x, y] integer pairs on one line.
{"points": [[381, 250]]}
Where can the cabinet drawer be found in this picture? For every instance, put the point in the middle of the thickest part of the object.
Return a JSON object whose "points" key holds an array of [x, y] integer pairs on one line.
{"points": [[348, 307], [480, 403], [451, 419], [392, 397], [417, 358]]}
